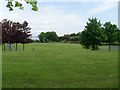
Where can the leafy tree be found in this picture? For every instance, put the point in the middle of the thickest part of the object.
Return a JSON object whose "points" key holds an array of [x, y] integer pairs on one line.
{"points": [[15, 32], [24, 31], [42, 37], [48, 36], [118, 36], [75, 39], [12, 3], [73, 34], [66, 38], [92, 35], [72, 38], [53, 37], [110, 31]]}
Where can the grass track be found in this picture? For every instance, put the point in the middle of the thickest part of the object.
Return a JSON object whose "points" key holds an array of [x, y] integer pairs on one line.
{"points": [[56, 65]]}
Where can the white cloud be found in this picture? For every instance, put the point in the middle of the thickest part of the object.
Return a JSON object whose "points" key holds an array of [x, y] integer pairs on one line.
{"points": [[53, 18], [102, 8], [78, 0]]}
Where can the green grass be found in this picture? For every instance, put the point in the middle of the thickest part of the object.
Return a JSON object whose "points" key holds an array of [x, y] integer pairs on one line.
{"points": [[60, 66], [0, 67]]}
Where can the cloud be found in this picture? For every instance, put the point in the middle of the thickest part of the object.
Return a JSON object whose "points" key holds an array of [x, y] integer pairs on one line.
{"points": [[55, 19], [102, 8], [48, 18], [52, 18], [78, 0]]}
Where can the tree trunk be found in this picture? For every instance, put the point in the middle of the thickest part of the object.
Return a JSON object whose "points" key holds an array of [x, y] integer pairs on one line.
{"points": [[109, 46], [93, 47], [4, 47], [16, 46], [10, 46], [23, 46]]}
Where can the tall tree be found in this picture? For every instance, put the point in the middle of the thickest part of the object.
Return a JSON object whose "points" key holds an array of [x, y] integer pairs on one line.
{"points": [[110, 31], [42, 37], [48, 36], [24, 31], [53, 37], [13, 32], [5, 30], [92, 35]]}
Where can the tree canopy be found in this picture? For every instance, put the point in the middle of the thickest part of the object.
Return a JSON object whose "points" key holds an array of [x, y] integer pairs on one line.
{"points": [[71, 38], [118, 36], [92, 35], [11, 4], [15, 32], [111, 32], [48, 36], [96, 34]]}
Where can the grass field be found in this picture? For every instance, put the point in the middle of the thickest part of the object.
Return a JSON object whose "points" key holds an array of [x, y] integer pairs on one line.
{"points": [[60, 66], [0, 67]]}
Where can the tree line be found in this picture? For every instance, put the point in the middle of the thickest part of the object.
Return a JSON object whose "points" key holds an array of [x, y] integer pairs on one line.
{"points": [[14, 33], [94, 35], [70, 38], [52, 36]]}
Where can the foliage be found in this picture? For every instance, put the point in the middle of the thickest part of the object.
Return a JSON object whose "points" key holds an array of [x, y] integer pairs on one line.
{"points": [[52, 36], [42, 37], [92, 35], [118, 36], [48, 36], [73, 38], [15, 32], [65, 38], [12, 3], [110, 31]]}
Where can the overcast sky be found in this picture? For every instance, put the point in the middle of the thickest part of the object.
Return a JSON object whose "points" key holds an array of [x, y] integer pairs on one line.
{"points": [[60, 16]]}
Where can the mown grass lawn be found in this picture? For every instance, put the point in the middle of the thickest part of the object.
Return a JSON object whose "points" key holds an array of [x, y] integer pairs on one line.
{"points": [[56, 65]]}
